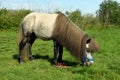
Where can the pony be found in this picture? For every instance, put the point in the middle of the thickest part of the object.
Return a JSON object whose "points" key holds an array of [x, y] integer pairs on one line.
{"points": [[61, 30]]}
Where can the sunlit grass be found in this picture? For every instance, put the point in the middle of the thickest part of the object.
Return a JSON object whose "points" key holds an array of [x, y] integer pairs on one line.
{"points": [[106, 65]]}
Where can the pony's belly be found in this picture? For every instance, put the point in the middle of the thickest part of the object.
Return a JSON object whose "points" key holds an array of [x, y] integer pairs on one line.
{"points": [[45, 34]]}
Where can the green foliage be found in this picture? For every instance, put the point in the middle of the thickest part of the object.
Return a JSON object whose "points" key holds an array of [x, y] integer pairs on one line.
{"points": [[90, 21], [106, 66], [10, 19], [109, 12], [86, 21], [76, 17]]}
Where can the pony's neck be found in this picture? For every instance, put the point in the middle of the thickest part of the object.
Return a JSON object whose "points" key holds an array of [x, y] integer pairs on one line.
{"points": [[69, 35]]}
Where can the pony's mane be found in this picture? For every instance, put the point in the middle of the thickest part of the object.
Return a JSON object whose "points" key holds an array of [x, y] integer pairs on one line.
{"points": [[69, 35]]}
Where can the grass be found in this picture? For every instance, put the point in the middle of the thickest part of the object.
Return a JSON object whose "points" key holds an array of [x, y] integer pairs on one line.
{"points": [[106, 67]]}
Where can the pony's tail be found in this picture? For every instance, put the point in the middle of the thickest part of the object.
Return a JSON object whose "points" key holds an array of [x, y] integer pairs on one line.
{"points": [[20, 36]]}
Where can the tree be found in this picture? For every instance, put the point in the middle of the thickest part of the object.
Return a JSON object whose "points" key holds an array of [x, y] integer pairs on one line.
{"points": [[83, 21], [109, 12], [75, 16]]}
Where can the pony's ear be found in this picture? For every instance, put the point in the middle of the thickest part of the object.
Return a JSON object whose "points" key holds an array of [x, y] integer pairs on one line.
{"points": [[88, 40]]}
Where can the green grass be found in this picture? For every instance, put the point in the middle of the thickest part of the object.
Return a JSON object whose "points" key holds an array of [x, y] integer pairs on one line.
{"points": [[106, 67]]}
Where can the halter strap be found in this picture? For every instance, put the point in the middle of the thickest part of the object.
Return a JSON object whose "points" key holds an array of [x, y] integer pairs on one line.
{"points": [[83, 55], [85, 58]]}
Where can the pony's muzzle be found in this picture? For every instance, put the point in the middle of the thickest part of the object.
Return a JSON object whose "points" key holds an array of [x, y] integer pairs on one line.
{"points": [[89, 63]]}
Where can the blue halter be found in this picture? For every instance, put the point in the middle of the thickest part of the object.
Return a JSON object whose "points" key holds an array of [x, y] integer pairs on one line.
{"points": [[86, 59]]}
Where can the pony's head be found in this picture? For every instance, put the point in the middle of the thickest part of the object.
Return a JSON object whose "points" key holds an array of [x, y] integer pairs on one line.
{"points": [[74, 39], [90, 48]]}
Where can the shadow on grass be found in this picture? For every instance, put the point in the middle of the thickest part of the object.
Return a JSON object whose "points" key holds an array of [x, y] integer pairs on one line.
{"points": [[46, 57]]}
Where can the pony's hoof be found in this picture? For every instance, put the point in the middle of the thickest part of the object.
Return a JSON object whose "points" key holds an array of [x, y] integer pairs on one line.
{"points": [[31, 58], [20, 63], [53, 64]]}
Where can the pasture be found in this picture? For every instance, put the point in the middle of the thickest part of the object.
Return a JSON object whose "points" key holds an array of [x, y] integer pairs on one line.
{"points": [[106, 67]]}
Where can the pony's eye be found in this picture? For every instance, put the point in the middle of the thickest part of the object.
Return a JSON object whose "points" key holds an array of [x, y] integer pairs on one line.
{"points": [[88, 49]]}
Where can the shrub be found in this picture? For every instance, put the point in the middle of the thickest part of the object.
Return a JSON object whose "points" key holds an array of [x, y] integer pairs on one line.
{"points": [[10, 19], [86, 21]]}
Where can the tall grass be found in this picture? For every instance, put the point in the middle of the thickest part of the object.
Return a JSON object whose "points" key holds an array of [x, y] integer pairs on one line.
{"points": [[106, 66]]}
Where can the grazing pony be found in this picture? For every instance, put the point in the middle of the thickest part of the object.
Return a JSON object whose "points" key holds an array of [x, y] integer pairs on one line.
{"points": [[61, 30]]}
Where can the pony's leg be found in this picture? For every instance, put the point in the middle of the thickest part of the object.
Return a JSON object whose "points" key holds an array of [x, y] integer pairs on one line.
{"points": [[31, 41], [21, 47], [30, 52], [55, 52], [60, 53]]}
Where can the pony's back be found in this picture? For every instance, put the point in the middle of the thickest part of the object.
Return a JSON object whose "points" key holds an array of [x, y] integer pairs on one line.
{"points": [[42, 24]]}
